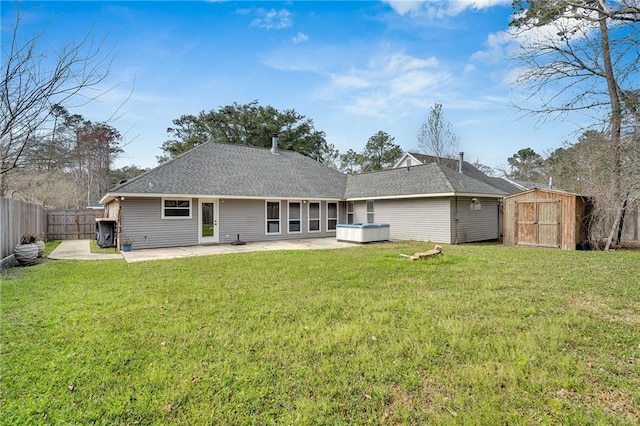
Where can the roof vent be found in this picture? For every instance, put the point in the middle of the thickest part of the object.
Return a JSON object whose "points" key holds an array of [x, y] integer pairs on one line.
{"points": [[460, 161], [274, 144]]}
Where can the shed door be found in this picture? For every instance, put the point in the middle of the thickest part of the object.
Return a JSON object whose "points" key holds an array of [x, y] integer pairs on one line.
{"points": [[538, 223]]}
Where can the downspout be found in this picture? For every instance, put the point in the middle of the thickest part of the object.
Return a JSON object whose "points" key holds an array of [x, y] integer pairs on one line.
{"points": [[456, 218], [500, 219]]}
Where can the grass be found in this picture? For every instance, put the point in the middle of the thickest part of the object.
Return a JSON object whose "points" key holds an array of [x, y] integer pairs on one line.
{"points": [[481, 335], [95, 248]]}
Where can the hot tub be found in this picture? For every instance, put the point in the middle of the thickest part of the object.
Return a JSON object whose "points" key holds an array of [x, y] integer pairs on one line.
{"points": [[363, 232]]}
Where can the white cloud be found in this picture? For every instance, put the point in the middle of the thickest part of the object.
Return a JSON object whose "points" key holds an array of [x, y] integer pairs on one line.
{"points": [[300, 38], [273, 19], [386, 85], [440, 8], [403, 7]]}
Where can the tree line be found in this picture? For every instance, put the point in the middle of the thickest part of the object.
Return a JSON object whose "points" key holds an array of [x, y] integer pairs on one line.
{"points": [[574, 55]]}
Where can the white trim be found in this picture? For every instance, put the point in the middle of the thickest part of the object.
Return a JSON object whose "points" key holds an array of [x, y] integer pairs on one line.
{"points": [[309, 218], [289, 202], [266, 220], [441, 195], [327, 218], [216, 215], [404, 156], [112, 196], [516, 184], [162, 208]]}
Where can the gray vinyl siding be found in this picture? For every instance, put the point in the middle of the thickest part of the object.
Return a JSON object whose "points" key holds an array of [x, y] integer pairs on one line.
{"points": [[141, 221], [475, 225], [248, 218], [420, 219]]}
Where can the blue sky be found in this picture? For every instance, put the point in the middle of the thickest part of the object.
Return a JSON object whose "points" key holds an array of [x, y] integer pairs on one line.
{"points": [[354, 68]]}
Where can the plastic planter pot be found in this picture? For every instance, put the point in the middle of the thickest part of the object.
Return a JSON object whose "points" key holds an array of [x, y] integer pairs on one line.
{"points": [[26, 254], [40, 245]]}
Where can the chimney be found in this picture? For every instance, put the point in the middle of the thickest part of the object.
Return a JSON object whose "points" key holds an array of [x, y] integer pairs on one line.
{"points": [[550, 182], [461, 159], [274, 144]]}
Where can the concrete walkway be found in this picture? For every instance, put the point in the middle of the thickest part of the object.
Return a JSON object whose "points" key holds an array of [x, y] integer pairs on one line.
{"points": [[79, 249]]}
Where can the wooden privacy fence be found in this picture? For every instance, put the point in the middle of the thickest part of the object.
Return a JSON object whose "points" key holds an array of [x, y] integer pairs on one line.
{"points": [[18, 218], [65, 224]]}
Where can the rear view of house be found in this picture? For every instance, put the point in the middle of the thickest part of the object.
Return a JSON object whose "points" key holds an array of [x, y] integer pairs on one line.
{"points": [[217, 193]]}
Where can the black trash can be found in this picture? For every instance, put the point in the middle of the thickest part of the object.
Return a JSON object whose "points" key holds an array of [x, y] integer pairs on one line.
{"points": [[106, 232]]}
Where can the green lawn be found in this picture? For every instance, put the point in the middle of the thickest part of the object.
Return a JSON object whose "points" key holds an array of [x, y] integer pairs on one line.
{"points": [[481, 335]]}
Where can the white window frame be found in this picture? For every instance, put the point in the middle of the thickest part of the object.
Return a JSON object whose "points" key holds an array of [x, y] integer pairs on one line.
{"points": [[331, 218], [163, 208], [370, 213], [267, 220], [299, 220], [350, 212], [310, 219]]}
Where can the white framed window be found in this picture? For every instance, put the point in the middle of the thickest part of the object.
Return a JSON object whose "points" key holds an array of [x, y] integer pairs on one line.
{"points": [[314, 216], [176, 208], [370, 211], [295, 217], [349, 212], [332, 216], [273, 217]]}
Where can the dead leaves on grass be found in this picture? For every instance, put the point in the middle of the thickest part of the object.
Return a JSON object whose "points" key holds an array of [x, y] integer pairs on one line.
{"points": [[630, 314]]}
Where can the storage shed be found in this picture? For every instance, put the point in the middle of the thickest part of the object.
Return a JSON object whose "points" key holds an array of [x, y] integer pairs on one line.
{"points": [[545, 218]]}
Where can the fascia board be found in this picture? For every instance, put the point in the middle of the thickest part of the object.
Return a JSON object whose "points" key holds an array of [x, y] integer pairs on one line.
{"points": [[112, 196]]}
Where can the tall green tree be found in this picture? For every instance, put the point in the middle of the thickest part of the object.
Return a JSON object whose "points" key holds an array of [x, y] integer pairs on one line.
{"points": [[350, 162], [247, 124], [581, 55], [526, 164], [380, 152]]}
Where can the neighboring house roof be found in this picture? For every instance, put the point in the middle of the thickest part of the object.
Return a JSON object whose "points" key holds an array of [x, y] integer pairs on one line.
{"points": [[525, 185], [240, 171], [467, 169], [228, 170], [420, 180]]}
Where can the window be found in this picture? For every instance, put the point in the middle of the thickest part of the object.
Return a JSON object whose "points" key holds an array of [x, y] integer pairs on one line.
{"points": [[349, 212], [370, 211], [176, 208], [273, 217], [314, 217], [332, 216], [294, 217]]}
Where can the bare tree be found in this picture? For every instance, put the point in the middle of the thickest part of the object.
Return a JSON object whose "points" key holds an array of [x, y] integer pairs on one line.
{"points": [[581, 55], [436, 136], [32, 83]]}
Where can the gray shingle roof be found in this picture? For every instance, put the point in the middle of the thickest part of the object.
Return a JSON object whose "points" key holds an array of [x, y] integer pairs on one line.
{"points": [[470, 170], [219, 170], [214, 169], [424, 179]]}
